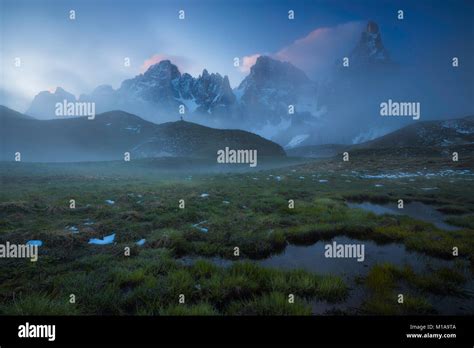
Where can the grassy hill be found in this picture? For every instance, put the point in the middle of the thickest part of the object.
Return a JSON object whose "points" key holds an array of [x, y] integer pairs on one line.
{"points": [[111, 134], [431, 135]]}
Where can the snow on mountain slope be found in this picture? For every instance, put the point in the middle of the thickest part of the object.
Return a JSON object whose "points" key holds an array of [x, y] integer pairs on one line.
{"points": [[276, 100], [295, 141]]}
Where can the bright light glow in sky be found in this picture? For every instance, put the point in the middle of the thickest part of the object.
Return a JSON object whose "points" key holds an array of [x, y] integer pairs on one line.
{"points": [[81, 54]]}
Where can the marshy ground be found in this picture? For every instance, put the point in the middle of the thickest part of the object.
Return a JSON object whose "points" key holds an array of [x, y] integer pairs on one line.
{"points": [[191, 251]]}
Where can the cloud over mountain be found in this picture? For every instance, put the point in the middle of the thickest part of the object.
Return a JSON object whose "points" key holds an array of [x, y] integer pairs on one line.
{"points": [[317, 52], [183, 63], [248, 62]]}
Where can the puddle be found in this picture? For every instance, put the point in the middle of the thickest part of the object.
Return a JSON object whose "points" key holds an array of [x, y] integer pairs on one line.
{"points": [[416, 210], [312, 259]]}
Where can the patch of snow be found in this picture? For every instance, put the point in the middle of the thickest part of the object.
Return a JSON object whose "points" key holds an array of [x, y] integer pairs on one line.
{"points": [[88, 222], [190, 104], [459, 126], [106, 240], [401, 175], [296, 140], [269, 130], [35, 242], [72, 229], [371, 134], [136, 129], [202, 229], [239, 92]]}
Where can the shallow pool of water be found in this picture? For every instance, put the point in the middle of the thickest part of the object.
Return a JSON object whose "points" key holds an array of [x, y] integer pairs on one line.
{"points": [[312, 258], [416, 210]]}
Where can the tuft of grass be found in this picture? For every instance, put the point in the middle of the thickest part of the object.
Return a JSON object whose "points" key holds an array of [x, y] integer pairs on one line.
{"points": [[442, 281], [466, 221], [384, 282], [200, 309], [179, 281], [332, 288], [274, 303], [39, 304], [380, 278]]}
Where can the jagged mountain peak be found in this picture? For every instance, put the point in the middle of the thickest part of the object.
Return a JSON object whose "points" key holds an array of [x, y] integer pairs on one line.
{"points": [[226, 82], [372, 27], [212, 90], [101, 91], [268, 71], [275, 83], [103, 88], [43, 104], [266, 66], [164, 64], [60, 91], [270, 88], [163, 70], [370, 48]]}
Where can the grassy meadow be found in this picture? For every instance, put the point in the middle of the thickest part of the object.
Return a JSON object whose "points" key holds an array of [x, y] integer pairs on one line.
{"points": [[191, 251]]}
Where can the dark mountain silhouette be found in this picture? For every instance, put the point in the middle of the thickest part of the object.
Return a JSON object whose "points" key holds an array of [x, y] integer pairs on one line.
{"points": [[427, 134], [424, 134], [111, 134]]}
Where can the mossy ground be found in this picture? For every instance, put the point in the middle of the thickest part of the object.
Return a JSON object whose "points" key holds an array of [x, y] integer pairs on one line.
{"points": [[386, 282]]}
